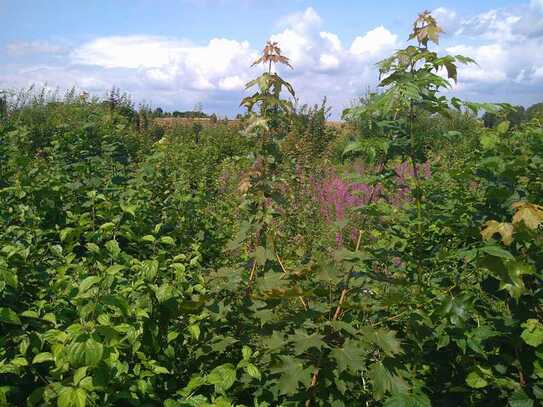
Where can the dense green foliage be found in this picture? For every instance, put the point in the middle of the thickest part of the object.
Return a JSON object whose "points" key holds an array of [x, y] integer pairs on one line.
{"points": [[396, 261]]}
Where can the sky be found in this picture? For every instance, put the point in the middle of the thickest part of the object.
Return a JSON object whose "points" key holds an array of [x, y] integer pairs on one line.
{"points": [[176, 54]]}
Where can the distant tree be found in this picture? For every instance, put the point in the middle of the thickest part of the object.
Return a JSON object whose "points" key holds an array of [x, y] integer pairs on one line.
{"points": [[158, 112], [197, 129], [3, 104], [535, 112], [516, 115]]}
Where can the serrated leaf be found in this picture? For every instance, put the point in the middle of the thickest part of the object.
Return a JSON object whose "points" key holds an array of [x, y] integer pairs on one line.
{"points": [[349, 357], [530, 214], [260, 255], [408, 400], [384, 339], [302, 342], [504, 229], [381, 379], [292, 373]]}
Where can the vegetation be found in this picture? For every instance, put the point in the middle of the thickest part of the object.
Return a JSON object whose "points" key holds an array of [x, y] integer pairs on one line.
{"points": [[395, 261]]}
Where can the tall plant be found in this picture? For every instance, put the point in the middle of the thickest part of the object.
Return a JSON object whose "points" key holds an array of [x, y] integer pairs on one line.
{"points": [[267, 127]]}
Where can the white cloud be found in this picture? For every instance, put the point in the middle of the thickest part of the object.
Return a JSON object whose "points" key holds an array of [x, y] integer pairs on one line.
{"points": [[175, 72], [374, 42], [231, 83], [447, 19]]}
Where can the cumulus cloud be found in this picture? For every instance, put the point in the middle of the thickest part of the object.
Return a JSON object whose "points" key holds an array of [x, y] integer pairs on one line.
{"points": [[374, 42], [506, 43], [177, 73]]}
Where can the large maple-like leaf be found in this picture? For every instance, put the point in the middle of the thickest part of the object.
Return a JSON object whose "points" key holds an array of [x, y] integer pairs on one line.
{"points": [[530, 214], [504, 229]]}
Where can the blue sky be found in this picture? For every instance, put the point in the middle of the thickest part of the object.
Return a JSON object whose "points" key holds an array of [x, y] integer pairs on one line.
{"points": [[177, 53]]}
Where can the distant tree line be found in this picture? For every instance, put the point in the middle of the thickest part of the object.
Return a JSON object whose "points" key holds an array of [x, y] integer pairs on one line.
{"points": [[516, 115], [189, 114]]}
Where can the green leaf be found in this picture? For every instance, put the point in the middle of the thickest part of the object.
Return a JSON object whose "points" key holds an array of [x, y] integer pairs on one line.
{"points": [[222, 377], [148, 238], [386, 340], [292, 372], [9, 277], [497, 251], [303, 342], [520, 399], [533, 332], [115, 268], [408, 400], [246, 352], [194, 383], [113, 247], [79, 374], [260, 255], [475, 381], [8, 316], [194, 330], [130, 209], [381, 379], [86, 352], [502, 127], [71, 397], [167, 240], [65, 233], [253, 371], [107, 226], [88, 283], [42, 357], [350, 356]]}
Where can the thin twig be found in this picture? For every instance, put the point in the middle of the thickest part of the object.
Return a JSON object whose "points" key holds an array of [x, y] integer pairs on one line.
{"points": [[285, 271], [336, 316], [251, 279]]}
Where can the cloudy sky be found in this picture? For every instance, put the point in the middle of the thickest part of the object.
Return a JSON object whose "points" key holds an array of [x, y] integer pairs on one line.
{"points": [[177, 53]]}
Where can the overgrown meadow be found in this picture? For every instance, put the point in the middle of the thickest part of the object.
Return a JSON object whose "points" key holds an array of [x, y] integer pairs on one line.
{"points": [[396, 260]]}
